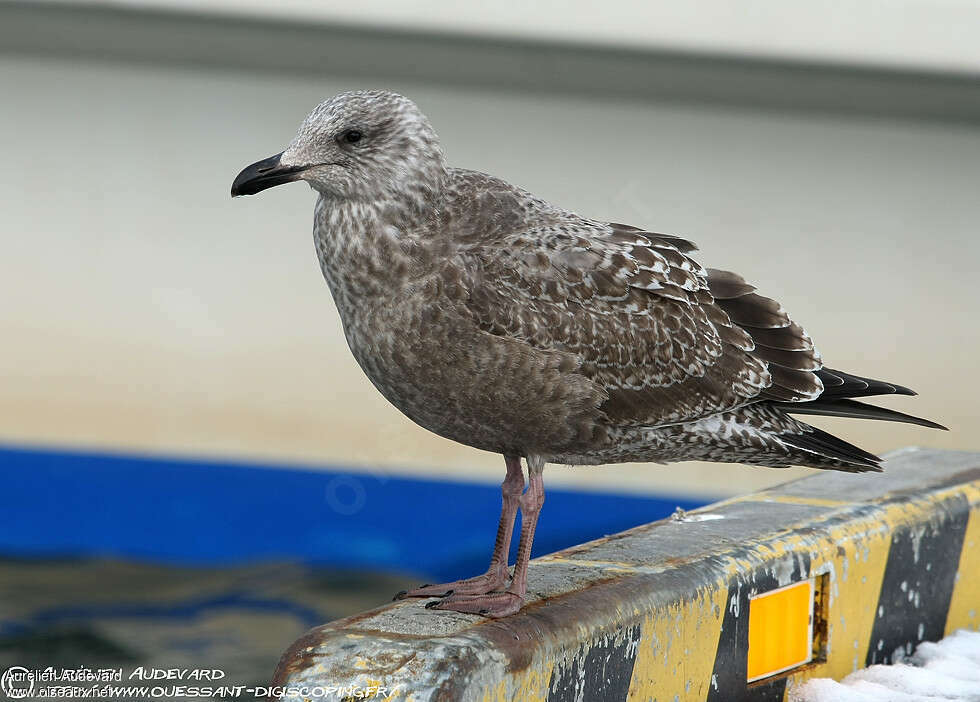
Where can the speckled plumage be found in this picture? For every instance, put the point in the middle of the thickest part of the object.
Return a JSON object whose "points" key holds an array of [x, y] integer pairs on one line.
{"points": [[500, 321]]}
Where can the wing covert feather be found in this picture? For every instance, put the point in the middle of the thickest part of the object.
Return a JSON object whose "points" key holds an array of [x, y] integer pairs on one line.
{"points": [[634, 308]]}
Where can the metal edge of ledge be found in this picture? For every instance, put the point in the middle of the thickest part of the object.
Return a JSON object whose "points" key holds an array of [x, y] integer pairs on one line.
{"points": [[660, 611], [358, 54]]}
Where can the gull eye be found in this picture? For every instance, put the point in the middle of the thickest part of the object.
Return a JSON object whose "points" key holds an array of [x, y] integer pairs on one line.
{"points": [[351, 136]]}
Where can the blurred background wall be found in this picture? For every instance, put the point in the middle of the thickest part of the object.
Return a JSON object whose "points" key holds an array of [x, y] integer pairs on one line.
{"points": [[830, 155]]}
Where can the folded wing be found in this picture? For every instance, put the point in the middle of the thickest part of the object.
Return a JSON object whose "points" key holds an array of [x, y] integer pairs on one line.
{"points": [[642, 316]]}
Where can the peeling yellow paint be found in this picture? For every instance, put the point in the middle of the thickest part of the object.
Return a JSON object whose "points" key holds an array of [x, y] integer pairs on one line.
{"points": [[964, 607], [863, 544], [530, 685], [497, 693], [854, 591], [676, 652], [534, 685]]}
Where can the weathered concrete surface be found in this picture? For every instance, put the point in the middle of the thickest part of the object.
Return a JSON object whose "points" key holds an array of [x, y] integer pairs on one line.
{"points": [[661, 611]]}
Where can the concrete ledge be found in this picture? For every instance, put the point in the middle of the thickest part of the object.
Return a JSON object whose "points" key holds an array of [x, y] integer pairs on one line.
{"points": [[661, 611]]}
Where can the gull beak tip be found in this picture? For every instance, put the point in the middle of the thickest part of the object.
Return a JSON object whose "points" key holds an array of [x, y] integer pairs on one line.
{"points": [[264, 174]]}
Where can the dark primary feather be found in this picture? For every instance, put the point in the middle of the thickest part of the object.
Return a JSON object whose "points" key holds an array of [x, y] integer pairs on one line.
{"points": [[825, 444], [837, 399], [853, 409], [790, 353]]}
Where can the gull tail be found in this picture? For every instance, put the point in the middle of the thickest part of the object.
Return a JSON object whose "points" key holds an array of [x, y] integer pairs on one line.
{"points": [[854, 410], [837, 400], [825, 450]]}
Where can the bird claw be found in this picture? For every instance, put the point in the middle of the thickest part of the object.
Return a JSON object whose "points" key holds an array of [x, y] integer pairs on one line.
{"points": [[444, 590], [493, 605], [480, 585]]}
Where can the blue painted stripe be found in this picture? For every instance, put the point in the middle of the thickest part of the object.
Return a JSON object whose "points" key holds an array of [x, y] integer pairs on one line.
{"points": [[203, 512]]}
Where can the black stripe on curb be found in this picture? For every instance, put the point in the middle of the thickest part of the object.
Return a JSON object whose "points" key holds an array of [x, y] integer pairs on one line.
{"points": [[918, 583], [600, 671]]}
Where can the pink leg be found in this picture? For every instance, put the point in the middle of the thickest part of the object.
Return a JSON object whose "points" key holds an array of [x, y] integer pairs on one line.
{"points": [[501, 604], [496, 575]]}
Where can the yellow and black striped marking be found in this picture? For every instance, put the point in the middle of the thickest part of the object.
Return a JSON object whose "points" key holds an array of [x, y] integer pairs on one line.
{"points": [[917, 586]]}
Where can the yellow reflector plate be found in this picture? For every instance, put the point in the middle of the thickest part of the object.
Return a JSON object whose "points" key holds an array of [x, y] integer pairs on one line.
{"points": [[780, 630]]}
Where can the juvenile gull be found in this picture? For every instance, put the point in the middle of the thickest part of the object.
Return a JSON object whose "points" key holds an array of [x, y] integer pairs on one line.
{"points": [[498, 320]]}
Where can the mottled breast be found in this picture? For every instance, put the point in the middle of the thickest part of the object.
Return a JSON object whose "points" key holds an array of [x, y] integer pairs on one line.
{"points": [[400, 305]]}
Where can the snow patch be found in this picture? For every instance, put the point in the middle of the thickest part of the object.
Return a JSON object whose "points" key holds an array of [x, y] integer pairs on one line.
{"points": [[948, 670]]}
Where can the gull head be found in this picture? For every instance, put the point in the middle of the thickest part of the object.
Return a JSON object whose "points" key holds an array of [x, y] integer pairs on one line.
{"points": [[365, 145]]}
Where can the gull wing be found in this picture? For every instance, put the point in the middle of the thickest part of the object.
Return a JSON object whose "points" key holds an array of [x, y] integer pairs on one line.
{"points": [[640, 314]]}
